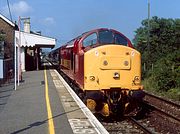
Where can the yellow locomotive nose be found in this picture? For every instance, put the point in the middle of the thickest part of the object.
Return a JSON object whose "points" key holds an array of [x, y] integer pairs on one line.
{"points": [[114, 66]]}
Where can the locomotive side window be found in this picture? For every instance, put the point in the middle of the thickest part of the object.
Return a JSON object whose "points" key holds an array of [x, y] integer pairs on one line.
{"points": [[105, 37], [90, 40], [119, 39]]}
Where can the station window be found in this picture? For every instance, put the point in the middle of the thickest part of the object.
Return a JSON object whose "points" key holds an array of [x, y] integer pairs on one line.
{"points": [[1, 49], [119, 39], [90, 40]]}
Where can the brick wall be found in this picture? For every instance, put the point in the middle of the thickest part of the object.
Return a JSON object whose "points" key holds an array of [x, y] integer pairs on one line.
{"points": [[8, 62], [9, 38]]}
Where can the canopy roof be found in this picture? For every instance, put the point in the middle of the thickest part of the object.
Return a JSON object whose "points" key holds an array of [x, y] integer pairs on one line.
{"points": [[32, 40]]}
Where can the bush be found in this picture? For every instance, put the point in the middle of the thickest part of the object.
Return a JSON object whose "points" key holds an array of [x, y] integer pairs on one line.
{"points": [[166, 74], [174, 94]]}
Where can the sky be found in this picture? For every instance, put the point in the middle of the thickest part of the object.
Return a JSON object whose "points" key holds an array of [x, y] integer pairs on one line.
{"points": [[67, 19]]}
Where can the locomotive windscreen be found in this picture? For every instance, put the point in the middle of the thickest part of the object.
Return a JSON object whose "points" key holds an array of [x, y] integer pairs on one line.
{"points": [[106, 37], [109, 37]]}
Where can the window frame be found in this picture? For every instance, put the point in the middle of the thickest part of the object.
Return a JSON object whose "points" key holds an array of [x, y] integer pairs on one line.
{"points": [[90, 40], [122, 37]]}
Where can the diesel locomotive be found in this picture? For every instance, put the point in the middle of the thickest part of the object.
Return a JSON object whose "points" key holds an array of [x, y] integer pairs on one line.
{"points": [[106, 68]]}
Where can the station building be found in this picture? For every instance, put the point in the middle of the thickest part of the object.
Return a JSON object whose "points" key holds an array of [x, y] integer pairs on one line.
{"points": [[28, 48], [31, 44]]}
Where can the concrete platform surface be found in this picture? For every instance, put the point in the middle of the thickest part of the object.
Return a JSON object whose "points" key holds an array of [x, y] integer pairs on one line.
{"points": [[42, 104]]}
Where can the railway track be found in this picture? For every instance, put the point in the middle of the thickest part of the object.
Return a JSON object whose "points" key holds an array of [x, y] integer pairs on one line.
{"points": [[128, 125], [162, 99], [164, 106], [164, 112], [142, 127], [123, 127], [161, 117], [164, 115]]}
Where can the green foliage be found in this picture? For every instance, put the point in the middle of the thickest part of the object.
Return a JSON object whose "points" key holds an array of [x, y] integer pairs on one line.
{"points": [[2, 36], [166, 73], [160, 60], [174, 93]]}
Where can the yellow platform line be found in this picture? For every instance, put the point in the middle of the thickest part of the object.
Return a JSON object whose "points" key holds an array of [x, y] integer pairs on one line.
{"points": [[50, 118]]}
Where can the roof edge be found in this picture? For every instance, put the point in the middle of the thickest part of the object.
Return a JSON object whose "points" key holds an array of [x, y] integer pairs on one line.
{"points": [[7, 20]]}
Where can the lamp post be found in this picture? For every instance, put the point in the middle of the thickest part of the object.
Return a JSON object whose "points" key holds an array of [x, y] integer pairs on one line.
{"points": [[19, 54], [148, 25]]}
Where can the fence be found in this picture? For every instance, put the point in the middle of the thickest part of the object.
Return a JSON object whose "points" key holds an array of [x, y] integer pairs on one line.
{"points": [[8, 71]]}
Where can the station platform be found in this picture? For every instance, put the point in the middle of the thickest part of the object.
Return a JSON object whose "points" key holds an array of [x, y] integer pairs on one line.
{"points": [[45, 104]]}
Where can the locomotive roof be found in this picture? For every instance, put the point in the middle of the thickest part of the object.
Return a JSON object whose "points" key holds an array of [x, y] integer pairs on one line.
{"points": [[70, 43]]}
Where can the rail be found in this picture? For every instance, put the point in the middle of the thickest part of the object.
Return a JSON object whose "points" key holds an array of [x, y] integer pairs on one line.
{"points": [[162, 99], [143, 128]]}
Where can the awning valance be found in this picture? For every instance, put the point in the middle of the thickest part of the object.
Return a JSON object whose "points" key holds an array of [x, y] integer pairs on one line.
{"points": [[31, 40]]}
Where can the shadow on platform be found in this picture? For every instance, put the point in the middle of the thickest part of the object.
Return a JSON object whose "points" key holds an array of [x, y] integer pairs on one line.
{"points": [[39, 123]]}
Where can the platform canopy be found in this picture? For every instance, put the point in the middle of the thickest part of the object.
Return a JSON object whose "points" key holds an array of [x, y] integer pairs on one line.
{"points": [[33, 40]]}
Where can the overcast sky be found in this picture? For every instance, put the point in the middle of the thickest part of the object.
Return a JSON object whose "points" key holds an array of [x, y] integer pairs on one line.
{"points": [[66, 19]]}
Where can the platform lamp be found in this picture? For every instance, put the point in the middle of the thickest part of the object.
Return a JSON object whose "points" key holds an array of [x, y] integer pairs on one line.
{"points": [[148, 26]]}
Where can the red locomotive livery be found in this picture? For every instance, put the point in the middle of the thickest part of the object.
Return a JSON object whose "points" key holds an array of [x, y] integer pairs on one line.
{"points": [[72, 54], [105, 68]]}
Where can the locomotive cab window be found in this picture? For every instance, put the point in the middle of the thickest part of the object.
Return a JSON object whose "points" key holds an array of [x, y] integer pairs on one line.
{"points": [[110, 37], [105, 37], [90, 40], [119, 39]]}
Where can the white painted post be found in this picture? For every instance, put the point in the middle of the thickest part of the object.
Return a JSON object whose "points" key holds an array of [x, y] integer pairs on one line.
{"points": [[19, 23], [19, 52], [15, 58]]}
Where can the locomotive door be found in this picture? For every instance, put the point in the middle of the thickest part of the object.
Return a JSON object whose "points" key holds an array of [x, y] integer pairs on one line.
{"points": [[72, 59], [74, 63]]}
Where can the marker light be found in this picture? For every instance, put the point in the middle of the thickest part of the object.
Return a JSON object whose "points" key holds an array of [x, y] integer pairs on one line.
{"points": [[92, 78]]}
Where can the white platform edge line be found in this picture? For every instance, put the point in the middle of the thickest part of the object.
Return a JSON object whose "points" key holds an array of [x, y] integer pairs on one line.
{"points": [[95, 123]]}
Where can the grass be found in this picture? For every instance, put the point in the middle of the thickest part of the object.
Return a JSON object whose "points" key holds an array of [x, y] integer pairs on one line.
{"points": [[173, 94]]}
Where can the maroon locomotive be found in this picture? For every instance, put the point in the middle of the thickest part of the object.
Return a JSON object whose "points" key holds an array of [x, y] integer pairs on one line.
{"points": [[104, 66]]}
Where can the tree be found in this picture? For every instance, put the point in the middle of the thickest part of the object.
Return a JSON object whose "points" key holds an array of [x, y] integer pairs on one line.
{"points": [[166, 73], [164, 40]]}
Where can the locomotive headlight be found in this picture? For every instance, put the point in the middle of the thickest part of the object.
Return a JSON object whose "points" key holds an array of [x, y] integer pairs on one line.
{"points": [[92, 78], [126, 63], [136, 80], [116, 75]]}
